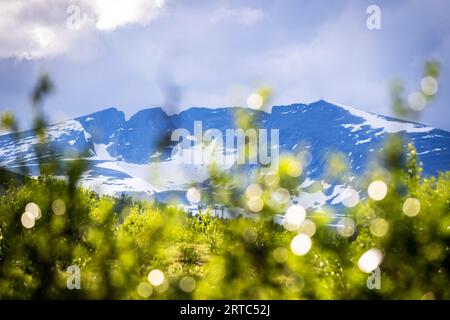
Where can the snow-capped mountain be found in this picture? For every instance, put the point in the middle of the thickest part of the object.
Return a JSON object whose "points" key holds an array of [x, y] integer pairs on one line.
{"points": [[135, 156]]}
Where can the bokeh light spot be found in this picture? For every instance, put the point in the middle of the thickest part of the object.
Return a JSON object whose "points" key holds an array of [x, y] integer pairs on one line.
{"points": [[59, 207], [144, 289], [255, 101], [301, 244], [379, 227], [280, 254], [193, 195], [417, 101], [253, 190], [281, 196], [187, 284], [27, 220], [411, 207], [377, 190], [307, 227], [155, 277], [294, 217], [429, 85], [255, 204], [271, 180], [294, 168], [428, 296], [370, 260], [34, 209], [346, 227], [163, 287], [351, 198]]}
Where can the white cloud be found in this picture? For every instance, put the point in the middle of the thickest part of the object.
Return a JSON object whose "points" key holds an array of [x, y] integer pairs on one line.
{"points": [[33, 29], [246, 16], [114, 14]]}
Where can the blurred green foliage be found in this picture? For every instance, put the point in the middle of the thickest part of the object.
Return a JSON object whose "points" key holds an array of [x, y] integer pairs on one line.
{"points": [[118, 243], [230, 258]]}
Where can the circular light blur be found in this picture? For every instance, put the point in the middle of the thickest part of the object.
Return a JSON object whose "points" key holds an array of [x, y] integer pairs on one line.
{"points": [[163, 287], [294, 283], [411, 207], [144, 289], [346, 227], [255, 101], [417, 101], [34, 209], [428, 296], [59, 207], [271, 179], [351, 198], [429, 85], [253, 190], [155, 277], [379, 227], [308, 227], [377, 190], [255, 204], [280, 254], [301, 244], [187, 284], [370, 260], [281, 196], [193, 195], [294, 217], [294, 168], [27, 220]]}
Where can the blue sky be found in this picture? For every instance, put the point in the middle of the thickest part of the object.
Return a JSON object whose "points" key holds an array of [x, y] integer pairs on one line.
{"points": [[177, 54]]}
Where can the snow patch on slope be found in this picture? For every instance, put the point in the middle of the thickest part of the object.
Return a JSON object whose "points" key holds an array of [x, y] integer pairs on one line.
{"points": [[101, 151], [115, 186], [23, 148], [66, 128], [379, 122]]}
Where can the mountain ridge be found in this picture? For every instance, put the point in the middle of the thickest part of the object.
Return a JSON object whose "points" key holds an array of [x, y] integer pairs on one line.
{"points": [[135, 156], [212, 108]]}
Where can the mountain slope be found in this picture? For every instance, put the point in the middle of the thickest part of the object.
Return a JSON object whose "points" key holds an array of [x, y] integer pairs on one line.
{"points": [[135, 155]]}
